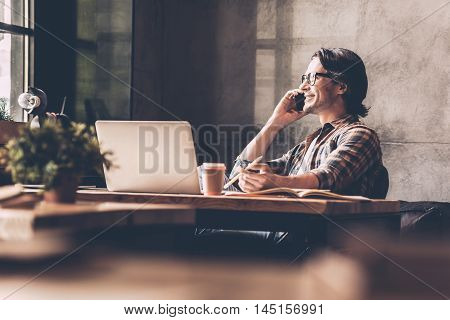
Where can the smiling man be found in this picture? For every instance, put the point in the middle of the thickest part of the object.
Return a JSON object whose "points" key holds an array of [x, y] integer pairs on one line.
{"points": [[343, 155]]}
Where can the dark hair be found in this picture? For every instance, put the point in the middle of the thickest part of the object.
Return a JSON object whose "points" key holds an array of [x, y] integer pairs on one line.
{"points": [[347, 67]]}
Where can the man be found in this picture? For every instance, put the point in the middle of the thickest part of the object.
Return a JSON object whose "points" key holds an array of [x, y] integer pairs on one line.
{"points": [[344, 155]]}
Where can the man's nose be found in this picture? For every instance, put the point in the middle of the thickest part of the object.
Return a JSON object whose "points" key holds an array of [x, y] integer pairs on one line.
{"points": [[304, 86]]}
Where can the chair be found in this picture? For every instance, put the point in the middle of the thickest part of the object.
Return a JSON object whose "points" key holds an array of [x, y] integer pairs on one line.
{"points": [[381, 183]]}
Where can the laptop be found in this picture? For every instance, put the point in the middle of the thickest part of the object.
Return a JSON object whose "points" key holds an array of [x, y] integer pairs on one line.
{"points": [[149, 156]]}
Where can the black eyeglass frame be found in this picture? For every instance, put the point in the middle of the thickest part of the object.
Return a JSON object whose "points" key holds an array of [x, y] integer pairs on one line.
{"points": [[315, 74]]}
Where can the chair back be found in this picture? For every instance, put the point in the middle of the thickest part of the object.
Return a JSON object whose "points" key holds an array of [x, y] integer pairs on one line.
{"points": [[381, 183]]}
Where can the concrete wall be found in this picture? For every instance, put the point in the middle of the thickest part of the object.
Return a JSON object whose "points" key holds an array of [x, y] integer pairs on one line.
{"points": [[192, 58], [405, 45], [103, 69], [229, 61]]}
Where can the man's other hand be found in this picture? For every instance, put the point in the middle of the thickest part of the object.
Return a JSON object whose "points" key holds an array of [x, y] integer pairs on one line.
{"points": [[254, 181]]}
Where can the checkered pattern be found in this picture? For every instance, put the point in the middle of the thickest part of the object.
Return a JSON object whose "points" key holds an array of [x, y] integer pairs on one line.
{"points": [[344, 155]]}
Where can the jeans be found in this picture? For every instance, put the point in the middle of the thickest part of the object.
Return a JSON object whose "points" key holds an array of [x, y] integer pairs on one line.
{"points": [[260, 244]]}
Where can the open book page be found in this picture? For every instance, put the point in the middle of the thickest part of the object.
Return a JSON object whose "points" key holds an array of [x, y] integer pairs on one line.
{"points": [[273, 191], [299, 193], [328, 194]]}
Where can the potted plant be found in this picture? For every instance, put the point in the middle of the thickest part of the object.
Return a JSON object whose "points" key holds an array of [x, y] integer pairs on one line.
{"points": [[8, 128], [55, 156]]}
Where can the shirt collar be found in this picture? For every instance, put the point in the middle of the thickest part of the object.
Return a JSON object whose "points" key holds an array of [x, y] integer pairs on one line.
{"points": [[345, 119], [329, 126]]}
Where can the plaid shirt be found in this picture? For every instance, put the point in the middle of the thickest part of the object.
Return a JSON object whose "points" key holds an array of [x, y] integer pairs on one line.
{"points": [[344, 155]]}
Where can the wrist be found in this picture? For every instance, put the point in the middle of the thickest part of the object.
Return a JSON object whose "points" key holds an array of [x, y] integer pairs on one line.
{"points": [[278, 181], [306, 181]]}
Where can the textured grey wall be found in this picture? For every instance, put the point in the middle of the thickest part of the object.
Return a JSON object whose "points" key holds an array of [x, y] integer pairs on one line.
{"points": [[231, 60], [406, 46]]}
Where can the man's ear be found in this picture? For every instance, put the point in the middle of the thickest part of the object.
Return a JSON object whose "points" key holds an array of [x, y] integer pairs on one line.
{"points": [[342, 88]]}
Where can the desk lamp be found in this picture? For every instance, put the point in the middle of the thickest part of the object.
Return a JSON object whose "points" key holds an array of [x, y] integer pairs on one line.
{"points": [[34, 102]]}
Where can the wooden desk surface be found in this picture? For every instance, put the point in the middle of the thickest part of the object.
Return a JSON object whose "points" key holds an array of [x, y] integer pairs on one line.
{"points": [[236, 203]]}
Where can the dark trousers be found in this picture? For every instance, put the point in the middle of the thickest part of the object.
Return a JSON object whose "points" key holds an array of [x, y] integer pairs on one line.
{"points": [[289, 246]]}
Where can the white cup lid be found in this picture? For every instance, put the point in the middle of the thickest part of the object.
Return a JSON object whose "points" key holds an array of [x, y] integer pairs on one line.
{"points": [[210, 165]]}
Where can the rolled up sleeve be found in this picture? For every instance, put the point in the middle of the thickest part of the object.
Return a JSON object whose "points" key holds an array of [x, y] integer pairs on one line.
{"points": [[357, 151], [283, 165], [279, 166]]}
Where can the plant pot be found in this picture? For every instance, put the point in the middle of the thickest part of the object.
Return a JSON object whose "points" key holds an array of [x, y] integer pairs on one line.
{"points": [[9, 129], [65, 190]]}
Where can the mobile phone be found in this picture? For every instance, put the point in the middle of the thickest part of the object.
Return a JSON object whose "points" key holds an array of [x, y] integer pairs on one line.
{"points": [[299, 102]]}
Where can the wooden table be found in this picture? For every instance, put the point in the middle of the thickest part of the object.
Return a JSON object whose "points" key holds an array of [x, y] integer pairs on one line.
{"points": [[257, 204], [322, 220], [133, 277]]}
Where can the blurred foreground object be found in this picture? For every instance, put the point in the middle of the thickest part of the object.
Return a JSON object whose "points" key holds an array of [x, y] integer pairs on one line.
{"points": [[56, 156]]}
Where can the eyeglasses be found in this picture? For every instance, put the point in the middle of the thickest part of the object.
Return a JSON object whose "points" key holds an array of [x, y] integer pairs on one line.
{"points": [[312, 77]]}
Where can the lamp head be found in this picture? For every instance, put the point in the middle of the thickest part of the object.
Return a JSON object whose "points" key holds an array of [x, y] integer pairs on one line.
{"points": [[34, 101]]}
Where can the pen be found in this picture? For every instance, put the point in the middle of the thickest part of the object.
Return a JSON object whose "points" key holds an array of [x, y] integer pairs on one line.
{"points": [[229, 183], [63, 105]]}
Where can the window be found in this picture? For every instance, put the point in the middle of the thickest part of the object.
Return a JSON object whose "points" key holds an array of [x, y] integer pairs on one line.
{"points": [[16, 52]]}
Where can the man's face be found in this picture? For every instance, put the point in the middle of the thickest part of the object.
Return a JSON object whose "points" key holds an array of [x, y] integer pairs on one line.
{"points": [[323, 94]]}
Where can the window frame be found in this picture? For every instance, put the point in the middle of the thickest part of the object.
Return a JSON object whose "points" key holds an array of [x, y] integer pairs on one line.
{"points": [[28, 33]]}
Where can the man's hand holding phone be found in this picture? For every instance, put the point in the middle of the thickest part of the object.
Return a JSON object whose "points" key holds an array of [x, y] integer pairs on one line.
{"points": [[284, 114], [286, 111]]}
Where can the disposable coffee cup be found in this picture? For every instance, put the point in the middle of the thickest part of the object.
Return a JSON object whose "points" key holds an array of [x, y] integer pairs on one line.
{"points": [[213, 177]]}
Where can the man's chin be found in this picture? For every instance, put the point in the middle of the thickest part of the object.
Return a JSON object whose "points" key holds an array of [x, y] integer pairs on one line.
{"points": [[308, 108]]}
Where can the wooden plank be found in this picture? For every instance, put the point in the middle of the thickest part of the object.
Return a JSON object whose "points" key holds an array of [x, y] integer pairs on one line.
{"points": [[90, 214], [264, 203], [50, 209]]}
